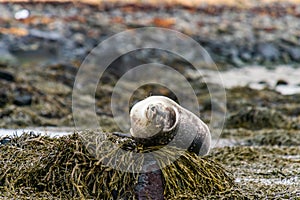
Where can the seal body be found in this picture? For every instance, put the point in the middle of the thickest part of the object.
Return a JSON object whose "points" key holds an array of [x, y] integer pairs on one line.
{"points": [[158, 120]]}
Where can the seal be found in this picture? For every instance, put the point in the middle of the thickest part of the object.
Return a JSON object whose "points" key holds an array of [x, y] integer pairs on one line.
{"points": [[157, 120]]}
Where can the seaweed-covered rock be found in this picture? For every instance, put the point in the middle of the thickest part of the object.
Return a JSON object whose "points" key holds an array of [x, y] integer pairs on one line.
{"points": [[65, 168], [256, 118], [262, 172], [275, 137]]}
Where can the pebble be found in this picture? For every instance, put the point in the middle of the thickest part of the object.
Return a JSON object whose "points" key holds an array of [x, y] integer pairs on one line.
{"points": [[281, 82], [22, 14], [23, 100], [6, 76], [4, 140]]}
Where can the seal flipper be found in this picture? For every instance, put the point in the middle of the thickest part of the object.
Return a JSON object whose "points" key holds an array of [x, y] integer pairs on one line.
{"points": [[196, 145], [200, 146]]}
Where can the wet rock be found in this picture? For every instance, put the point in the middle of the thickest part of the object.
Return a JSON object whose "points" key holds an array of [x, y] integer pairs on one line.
{"points": [[6, 76], [23, 100], [268, 51], [150, 184], [295, 53], [6, 58], [290, 53], [5, 140]]}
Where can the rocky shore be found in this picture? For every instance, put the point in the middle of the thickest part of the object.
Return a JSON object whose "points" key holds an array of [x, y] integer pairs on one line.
{"points": [[42, 46], [233, 36]]}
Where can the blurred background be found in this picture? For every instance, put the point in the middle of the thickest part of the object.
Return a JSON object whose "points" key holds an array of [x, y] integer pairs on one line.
{"points": [[254, 44]]}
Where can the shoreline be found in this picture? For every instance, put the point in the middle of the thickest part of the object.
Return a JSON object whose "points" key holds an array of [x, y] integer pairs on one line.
{"points": [[282, 79]]}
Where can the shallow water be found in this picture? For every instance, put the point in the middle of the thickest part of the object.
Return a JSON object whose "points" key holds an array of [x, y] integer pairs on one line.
{"points": [[258, 77]]}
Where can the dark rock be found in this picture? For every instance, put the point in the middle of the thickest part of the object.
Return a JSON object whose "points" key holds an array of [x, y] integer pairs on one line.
{"points": [[295, 53], [7, 111], [6, 76], [6, 58], [292, 52], [262, 82], [246, 56], [5, 140], [150, 183], [3, 98], [23, 100], [268, 51], [281, 82], [245, 53]]}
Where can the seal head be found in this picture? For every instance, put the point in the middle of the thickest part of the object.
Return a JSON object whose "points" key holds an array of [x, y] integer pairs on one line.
{"points": [[150, 119], [157, 119]]}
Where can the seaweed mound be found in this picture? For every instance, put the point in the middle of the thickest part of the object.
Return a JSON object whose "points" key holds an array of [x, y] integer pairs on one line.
{"points": [[38, 166]]}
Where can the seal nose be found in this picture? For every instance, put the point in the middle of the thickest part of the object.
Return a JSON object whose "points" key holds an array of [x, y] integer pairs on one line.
{"points": [[151, 111]]}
